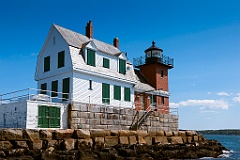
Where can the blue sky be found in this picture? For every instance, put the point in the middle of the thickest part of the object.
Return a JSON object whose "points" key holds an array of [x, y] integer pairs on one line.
{"points": [[203, 37]]}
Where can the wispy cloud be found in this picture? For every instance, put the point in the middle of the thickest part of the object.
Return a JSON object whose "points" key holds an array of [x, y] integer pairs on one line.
{"points": [[223, 94], [203, 104], [236, 98], [209, 111]]}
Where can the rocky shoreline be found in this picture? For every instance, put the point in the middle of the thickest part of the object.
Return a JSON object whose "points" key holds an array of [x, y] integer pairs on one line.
{"points": [[105, 145]]}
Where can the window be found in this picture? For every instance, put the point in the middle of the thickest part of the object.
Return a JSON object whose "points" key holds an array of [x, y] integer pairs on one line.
{"points": [[65, 89], [46, 64], [91, 57], [54, 88], [105, 62], [105, 93], [122, 66], [151, 99], [48, 117], [61, 57], [90, 85], [161, 73], [117, 92], [127, 94], [162, 100], [43, 88]]}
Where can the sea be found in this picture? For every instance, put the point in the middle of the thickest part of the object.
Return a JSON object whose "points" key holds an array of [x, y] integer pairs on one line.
{"points": [[231, 142]]}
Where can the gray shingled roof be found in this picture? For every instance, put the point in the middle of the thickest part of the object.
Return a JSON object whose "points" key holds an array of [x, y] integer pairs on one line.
{"points": [[142, 84], [77, 40]]}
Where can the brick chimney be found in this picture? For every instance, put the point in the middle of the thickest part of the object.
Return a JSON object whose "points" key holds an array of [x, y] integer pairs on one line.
{"points": [[89, 30], [116, 42]]}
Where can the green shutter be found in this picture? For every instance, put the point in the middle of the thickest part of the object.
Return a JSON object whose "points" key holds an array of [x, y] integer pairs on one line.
{"points": [[122, 66], [46, 64], [43, 88], [127, 95], [65, 88], [43, 116], [105, 62], [61, 59], [54, 117], [117, 92], [105, 93], [54, 89], [91, 57]]}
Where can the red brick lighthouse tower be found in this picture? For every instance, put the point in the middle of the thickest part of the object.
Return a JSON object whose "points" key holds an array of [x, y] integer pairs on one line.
{"points": [[155, 71]]}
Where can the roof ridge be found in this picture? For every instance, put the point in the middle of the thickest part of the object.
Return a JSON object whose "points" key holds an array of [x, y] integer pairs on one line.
{"points": [[70, 30]]}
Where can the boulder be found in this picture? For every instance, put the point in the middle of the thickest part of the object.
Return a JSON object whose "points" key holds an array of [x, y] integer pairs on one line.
{"points": [[50, 143], [123, 140], [5, 145], [132, 140], [114, 132], [195, 138], [182, 133], [69, 144], [12, 134], [160, 133], [168, 133], [148, 140], [175, 133], [20, 144], [111, 141], [175, 140], [141, 140], [161, 139], [45, 134], [16, 152], [35, 145], [124, 132], [31, 134], [84, 143], [142, 133], [99, 142], [63, 133], [97, 133], [81, 134]]}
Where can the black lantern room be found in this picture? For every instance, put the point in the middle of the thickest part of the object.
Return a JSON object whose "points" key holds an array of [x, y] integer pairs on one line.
{"points": [[153, 54]]}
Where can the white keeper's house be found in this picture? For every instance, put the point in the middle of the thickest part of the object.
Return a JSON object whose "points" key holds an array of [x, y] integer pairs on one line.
{"points": [[76, 68]]}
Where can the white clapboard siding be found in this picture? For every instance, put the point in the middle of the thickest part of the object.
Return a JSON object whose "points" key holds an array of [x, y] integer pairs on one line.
{"points": [[82, 93], [52, 50]]}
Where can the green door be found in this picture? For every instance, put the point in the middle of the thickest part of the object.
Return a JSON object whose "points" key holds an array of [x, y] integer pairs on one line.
{"points": [[48, 117]]}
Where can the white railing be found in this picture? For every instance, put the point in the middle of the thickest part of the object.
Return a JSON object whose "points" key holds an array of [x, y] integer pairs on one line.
{"points": [[34, 95]]}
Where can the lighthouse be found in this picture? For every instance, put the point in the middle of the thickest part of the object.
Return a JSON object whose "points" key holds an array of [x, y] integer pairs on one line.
{"points": [[154, 68]]}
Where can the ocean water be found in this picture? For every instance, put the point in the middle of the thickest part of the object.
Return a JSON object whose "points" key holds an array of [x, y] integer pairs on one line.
{"points": [[231, 142]]}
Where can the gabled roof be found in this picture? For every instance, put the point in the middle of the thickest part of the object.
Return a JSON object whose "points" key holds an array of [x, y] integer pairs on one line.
{"points": [[78, 40]]}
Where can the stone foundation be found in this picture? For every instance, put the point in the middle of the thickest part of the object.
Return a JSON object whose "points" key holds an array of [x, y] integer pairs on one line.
{"points": [[88, 116], [104, 144]]}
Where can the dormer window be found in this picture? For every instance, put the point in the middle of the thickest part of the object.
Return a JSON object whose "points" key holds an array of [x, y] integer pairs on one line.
{"points": [[90, 57], [122, 66]]}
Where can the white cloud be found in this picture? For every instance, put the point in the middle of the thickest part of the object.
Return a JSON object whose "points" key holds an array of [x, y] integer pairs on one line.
{"points": [[209, 111], [203, 104], [223, 94], [237, 98]]}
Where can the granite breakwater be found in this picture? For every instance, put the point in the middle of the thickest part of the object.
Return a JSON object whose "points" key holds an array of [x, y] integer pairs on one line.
{"points": [[102, 144]]}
